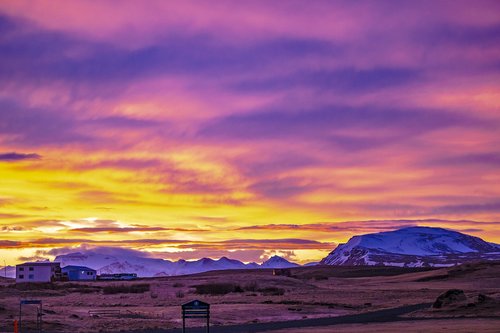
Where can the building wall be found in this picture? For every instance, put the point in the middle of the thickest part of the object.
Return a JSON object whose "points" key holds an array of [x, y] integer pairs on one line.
{"points": [[75, 275], [34, 273]]}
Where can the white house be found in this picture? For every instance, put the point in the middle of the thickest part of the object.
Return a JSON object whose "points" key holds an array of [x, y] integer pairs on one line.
{"points": [[38, 272]]}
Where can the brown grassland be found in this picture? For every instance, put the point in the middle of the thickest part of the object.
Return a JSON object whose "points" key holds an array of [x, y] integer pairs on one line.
{"points": [[256, 296]]}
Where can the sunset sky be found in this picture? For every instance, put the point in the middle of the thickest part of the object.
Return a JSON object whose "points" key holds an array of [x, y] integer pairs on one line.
{"points": [[192, 129]]}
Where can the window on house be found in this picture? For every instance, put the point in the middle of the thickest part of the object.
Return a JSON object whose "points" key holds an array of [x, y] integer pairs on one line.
{"points": [[31, 276], [31, 269], [21, 276], [21, 269]]}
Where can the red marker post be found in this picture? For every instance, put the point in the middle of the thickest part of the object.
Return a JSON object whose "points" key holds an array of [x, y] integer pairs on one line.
{"points": [[16, 327]]}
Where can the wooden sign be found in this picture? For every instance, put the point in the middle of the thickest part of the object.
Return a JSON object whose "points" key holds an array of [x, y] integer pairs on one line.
{"points": [[195, 309]]}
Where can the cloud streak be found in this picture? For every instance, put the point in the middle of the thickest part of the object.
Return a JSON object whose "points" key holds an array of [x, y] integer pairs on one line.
{"points": [[227, 245], [14, 157]]}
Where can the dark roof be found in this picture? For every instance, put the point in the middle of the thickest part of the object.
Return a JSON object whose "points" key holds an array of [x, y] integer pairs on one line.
{"points": [[195, 304], [77, 268], [40, 264]]}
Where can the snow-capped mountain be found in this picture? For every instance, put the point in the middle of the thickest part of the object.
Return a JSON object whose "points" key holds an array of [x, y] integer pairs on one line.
{"points": [[412, 247], [148, 267], [277, 262], [108, 264], [207, 264]]}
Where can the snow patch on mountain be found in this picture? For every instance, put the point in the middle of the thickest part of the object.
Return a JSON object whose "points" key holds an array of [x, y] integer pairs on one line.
{"points": [[278, 262]]}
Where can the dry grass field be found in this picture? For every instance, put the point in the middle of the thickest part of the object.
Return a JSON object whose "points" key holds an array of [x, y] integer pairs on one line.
{"points": [[255, 296], [439, 325]]}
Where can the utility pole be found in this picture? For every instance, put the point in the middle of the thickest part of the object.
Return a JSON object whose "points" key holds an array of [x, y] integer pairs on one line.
{"points": [[5, 269]]}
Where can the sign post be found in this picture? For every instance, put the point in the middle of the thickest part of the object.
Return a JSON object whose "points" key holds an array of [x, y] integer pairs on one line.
{"points": [[39, 313], [195, 309]]}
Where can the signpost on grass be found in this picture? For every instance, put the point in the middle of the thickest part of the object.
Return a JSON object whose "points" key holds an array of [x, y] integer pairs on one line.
{"points": [[39, 313], [195, 309]]}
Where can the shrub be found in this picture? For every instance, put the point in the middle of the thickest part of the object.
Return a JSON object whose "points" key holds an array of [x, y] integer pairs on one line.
{"points": [[272, 291], [178, 285], [179, 294], [64, 287], [320, 277], [217, 288], [25, 286], [83, 289], [126, 289], [251, 286]]}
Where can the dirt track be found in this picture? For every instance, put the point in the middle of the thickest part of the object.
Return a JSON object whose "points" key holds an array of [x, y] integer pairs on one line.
{"points": [[388, 315]]}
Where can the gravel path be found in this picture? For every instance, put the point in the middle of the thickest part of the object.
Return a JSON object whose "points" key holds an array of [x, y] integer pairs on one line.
{"points": [[387, 315]]}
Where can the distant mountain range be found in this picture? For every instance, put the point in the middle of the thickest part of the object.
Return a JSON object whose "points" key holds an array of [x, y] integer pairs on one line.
{"points": [[148, 267], [407, 247], [412, 247]]}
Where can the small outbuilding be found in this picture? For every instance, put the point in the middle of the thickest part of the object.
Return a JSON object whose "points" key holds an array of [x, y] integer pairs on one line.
{"points": [[79, 273], [38, 272]]}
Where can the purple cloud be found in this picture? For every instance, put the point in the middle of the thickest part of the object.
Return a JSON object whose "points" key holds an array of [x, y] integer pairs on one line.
{"points": [[283, 188], [485, 159], [319, 123], [33, 126], [104, 250], [346, 81], [13, 157]]}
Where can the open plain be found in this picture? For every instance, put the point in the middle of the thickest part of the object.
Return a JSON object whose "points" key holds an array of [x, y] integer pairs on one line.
{"points": [[249, 297]]}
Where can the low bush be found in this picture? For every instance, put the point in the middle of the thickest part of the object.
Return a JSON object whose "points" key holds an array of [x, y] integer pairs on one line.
{"points": [[251, 286], [320, 277], [218, 288], [65, 287], [26, 286], [126, 289], [272, 291], [83, 289]]}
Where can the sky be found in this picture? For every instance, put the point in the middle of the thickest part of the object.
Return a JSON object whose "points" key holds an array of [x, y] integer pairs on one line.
{"points": [[194, 129]]}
